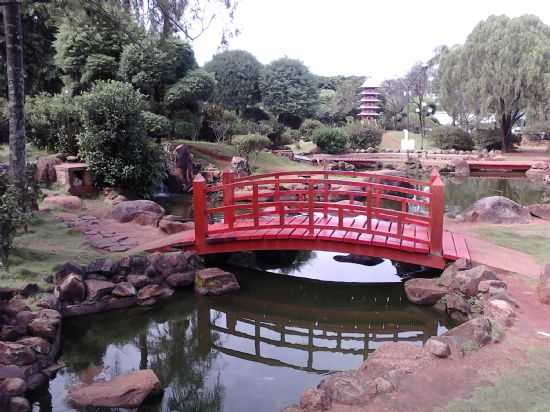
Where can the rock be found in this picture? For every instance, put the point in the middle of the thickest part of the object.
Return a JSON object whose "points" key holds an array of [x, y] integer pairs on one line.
{"points": [[149, 294], [37, 381], [124, 290], [66, 269], [140, 211], [125, 391], [538, 170], [240, 166], [62, 202], [38, 345], [214, 281], [7, 293], [498, 210], [467, 281], [25, 317], [97, 289], [45, 169], [180, 280], [46, 324], [314, 400], [166, 264], [14, 306], [457, 307], [15, 354], [393, 359], [485, 285], [450, 271], [500, 311], [139, 281], [171, 224], [437, 347], [543, 287], [473, 334], [423, 291], [72, 289], [13, 386], [134, 265], [48, 301], [30, 289], [103, 266], [381, 385], [460, 166], [541, 210], [19, 404], [348, 388], [182, 170]]}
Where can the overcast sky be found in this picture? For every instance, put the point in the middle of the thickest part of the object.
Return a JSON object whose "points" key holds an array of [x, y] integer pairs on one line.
{"points": [[381, 39]]}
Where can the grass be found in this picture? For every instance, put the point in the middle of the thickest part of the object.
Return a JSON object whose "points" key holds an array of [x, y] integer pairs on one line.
{"points": [[525, 389], [47, 244], [302, 147], [530, 239], [392, 140], [32, 152]]}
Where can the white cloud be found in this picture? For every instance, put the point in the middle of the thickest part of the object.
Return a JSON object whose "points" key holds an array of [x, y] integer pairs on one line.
{"points": [[363, 37]]}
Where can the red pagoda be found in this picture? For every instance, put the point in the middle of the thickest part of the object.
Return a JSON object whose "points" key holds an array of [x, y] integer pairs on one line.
{"points": [[370, 102]]}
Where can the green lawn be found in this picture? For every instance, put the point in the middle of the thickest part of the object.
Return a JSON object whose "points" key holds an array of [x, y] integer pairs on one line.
{"points": [[532, 240], [47, 244]]}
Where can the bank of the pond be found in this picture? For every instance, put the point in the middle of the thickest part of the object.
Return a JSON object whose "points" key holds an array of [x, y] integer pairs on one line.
{"points": [[255, 350]]}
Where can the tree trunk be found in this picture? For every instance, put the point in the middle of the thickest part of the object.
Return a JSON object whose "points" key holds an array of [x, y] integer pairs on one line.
{"points": [[127, 6], [13, 32], [506, 127]]}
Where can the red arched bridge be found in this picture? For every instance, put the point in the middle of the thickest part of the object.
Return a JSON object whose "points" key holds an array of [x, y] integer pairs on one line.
{"points": [[361, 213]]}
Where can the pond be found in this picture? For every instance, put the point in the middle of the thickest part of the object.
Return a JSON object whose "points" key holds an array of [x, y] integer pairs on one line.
{"points": [[460, 193], [253, 351]]}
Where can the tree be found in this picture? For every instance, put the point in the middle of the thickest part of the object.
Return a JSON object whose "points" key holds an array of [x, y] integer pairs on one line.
{"points": [[247, 144], [505, 61], [13, 33], [417, 85], [346, 98], [237, 74], [288, 87], [197, 86], [396, 99]]}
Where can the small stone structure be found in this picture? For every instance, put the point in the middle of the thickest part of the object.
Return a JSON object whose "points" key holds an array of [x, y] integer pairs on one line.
{"points": [[75, 178]]}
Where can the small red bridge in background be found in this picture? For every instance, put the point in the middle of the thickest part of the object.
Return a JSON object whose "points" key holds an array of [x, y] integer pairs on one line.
{"points": [[350, 212]]}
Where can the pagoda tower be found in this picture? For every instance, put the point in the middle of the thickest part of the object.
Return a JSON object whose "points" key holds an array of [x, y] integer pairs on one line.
{"points": [[370, 101]]}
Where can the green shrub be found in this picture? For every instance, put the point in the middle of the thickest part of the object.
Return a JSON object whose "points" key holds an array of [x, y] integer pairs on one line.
{"points": [[114, 143], [309, 126], [156, 126], [12, 215], [330, 140], [53, 122], [184, 129], [491, 139], [289, 136], [250, 143], [197, 85], [448, 137], [363, 136]]}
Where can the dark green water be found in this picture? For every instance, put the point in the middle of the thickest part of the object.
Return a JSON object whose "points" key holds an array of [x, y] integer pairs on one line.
{"points": [[253, 351]]}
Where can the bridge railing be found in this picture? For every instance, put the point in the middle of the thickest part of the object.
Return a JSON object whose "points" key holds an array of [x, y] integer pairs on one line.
{"points": [[401, 208]]}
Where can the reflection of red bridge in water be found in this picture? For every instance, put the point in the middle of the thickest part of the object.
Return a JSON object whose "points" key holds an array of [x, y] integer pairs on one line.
{"points": [[352, 212]]}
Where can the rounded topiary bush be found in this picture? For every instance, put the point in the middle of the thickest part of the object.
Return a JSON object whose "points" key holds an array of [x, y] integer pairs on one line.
{"points": [[250, 143], [114, 142], [157, 126], [309, 126], [449, 137], [330, 140], [363, 136]]}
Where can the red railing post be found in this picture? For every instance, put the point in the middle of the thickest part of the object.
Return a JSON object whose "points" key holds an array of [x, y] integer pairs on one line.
{"points": [[437, 210], [200, 209], [311, 201], [228, 197]]}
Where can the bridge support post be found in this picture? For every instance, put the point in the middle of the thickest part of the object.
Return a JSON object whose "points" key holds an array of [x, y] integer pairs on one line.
{"points": [[199, 209], [228, 196], [437, 211]]}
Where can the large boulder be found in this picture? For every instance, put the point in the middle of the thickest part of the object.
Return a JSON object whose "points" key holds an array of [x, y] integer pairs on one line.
{"points": [[467, 281], [182, 170], [46, 324], [347, 388], [66, 269], [538, 170], [313, 400], [45, 169], [457, 307], [393, 359], [214, 281], [540, 210], [240, 166], [150, 294], [16, 354], [500, 311], [144, 212], [471, 335], [180, 280], [13, 386], [125, 391], [497, 209], [124, 290], [171, 224], [450, 272], [166, 264], [62, 202], [97, 289], [460, 166], [72, 289], [423, 291], [543, 287]]}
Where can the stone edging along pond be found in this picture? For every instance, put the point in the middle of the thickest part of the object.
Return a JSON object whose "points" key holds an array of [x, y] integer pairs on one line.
{"points": [[30, 339]]}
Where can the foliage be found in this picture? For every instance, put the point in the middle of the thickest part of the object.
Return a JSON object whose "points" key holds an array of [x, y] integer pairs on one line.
{"points": [[4, 120], [53, 122], [114, 143], [345, 99], [363, 136], [151, 65], [538, 128], [89, 48], [491, 139], [287, 86], [330, 140], [396, 99], [324, 109], [156, 126], [185, 129], [505, 73], [198, 85], [309, 126], [448, 137], [237, 74], [12, 215], [249, 143]]}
